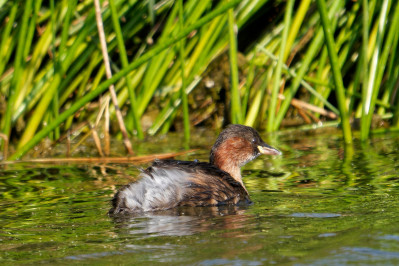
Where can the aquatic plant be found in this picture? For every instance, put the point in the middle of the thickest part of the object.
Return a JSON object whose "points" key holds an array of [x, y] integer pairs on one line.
{"points": [[285, 61]]}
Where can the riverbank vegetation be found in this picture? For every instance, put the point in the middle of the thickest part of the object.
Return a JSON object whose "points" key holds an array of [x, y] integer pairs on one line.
{"points": [[179, 64]]}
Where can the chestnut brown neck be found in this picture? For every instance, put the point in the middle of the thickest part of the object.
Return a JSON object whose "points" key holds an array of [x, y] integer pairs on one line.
{"points": [[230, 155], [232, 169]]}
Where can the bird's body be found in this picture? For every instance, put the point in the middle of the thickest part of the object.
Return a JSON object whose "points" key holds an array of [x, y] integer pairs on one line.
{"points": [[171, 183]]}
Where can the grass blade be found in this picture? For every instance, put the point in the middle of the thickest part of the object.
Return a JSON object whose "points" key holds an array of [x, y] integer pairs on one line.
{"points": [[340, 92], [183, 95], [277, 74], [18, 64], [124, 60], [236, 115], [23, 149]]}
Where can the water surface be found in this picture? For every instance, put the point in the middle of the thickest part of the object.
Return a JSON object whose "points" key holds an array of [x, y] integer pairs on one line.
{"points": [[320, 203]]}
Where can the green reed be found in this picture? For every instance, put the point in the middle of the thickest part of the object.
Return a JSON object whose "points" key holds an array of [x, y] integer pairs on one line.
{"points": [[279, 67], [339, 85], [344, 61], [124, 61], [183, 95]]}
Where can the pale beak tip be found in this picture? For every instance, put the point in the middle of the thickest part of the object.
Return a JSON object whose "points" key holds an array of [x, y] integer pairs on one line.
{"points": [[269, 150]]}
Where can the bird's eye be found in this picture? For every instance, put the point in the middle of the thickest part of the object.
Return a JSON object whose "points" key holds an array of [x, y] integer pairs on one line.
{"points": [[253, 140]]}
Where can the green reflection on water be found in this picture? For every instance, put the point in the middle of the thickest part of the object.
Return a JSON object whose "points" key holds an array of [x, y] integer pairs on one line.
{"points": [[320, 203]]}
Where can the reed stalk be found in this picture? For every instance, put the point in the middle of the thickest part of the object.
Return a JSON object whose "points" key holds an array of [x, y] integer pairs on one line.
{"points": [[305, 84], [279, 67], [236, 115], [308, 57], [128, 144], [18, 65], [339, 85], [295, 26], [183, 95], [125, 63], [6, 38], [55, 101], [23, 149], [160, 51], [378, 64]]}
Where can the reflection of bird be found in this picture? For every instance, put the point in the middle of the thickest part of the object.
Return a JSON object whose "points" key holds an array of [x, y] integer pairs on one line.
{"points": [[169, 183], [183, 220]]}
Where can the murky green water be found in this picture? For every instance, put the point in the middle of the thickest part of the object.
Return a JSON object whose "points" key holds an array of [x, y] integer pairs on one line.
{"points": [[318, 204]]}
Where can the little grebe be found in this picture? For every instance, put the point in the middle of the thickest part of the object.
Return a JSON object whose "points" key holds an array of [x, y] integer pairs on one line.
{"points": [[169, 183]]}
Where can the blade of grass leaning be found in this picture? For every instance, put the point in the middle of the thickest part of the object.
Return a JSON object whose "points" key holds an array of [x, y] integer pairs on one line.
{"points": [[32, 27], [206, 42], [65, 26], [258, 100], [34, 60], [391, 75], [45, 100], [373, 31], [236, 116], [183, 95], [346, 38], [368, 104], [39, 52], [34, 96], [55, 101], [6, 39], [174, 74], [303, 82], [390, 43], [314, 47], [197, 64], [354, 85], [340, 92], [70, 5], [159, 66], [23, 149], [6, 36], [18, 64], [126, 141], [277, 74], [170, 109], [124, 61], [320, 75], [296, 24], [88, 72], [248, 85], [78, 46], [364, 62]]}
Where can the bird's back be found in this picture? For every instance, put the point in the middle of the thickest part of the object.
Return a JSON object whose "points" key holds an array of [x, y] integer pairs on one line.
{"points": [[169, 183]]}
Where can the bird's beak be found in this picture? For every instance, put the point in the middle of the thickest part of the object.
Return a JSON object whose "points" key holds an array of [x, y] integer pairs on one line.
{"points": [[266, 149]]}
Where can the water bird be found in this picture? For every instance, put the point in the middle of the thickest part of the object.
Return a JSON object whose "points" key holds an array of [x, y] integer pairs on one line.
{"points": [[171, 183]]}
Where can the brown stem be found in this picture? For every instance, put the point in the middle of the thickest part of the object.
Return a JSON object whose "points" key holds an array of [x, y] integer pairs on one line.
{"points": [[97, 141], [108, 73]]}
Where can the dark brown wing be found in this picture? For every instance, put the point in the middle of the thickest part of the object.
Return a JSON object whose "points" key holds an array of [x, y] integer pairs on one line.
{"points": [[207, 185]]}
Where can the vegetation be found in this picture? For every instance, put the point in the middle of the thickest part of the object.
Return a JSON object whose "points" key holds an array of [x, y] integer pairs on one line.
{"points": [[287, 60]]}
